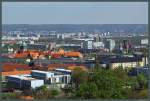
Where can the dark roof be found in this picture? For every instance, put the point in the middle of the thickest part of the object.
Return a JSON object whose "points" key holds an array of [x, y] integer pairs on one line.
{"points": [[118, 59], [58, 73], [88, 50], [136, 71]]}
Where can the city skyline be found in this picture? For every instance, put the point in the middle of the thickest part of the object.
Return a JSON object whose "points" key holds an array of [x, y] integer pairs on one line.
{"points": [[75, 13]]}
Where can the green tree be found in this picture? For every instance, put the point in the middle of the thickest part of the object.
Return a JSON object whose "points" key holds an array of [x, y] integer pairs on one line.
{"points": [[121, 73], [42, 92], [78, 76], [102, 83], [54, 92], [109, 85], [87, 90], [142, 80], [43, 88]]}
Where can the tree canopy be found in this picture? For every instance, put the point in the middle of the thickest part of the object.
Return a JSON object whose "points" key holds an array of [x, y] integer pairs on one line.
{"points": [[106, 84]]}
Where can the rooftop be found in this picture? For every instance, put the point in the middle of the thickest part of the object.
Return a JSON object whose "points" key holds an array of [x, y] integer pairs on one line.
{"points": [[57, 73], [45, 72], [50, 72], [16, 72], [23, 77], [62, 69], [120, 58]]}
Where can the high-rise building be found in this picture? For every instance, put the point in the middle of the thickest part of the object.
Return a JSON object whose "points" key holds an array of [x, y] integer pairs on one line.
{"points": [[88, 45], [110, 44], [97, 39], [125, 43]]}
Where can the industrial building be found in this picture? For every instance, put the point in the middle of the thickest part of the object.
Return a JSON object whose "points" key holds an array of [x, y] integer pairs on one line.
{"points": [[24, 81], [63, 70], [52, 77], [16, 72], [41, 74], [37, 78]]}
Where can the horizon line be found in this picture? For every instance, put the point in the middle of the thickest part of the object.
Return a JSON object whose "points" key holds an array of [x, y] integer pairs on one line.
{"points": [[78, 24]]}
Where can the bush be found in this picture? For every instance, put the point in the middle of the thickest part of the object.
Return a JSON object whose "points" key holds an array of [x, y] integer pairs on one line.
{"points": [[54, 92], [143, 93], [142, 80], [10, 95], [41, 92]]}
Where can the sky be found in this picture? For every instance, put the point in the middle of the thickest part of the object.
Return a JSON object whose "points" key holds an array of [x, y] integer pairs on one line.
{"points": [[75, 13]]}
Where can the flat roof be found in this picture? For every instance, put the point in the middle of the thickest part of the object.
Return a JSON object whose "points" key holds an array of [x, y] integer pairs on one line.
{"points": [[50, 72], [22, 77], [62, 69], [45, 72], [58, 73], [120, 59]]}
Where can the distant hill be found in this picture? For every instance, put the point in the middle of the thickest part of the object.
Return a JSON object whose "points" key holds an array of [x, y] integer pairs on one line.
{"points": [[113, 28]]}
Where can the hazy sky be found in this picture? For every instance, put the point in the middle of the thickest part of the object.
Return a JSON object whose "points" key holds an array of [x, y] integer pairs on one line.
{"points": [[75, 13]]}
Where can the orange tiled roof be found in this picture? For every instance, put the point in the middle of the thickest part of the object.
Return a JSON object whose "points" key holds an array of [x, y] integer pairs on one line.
{"points": [[21, 55], [13, 66], [16, 72], [73, 54]]}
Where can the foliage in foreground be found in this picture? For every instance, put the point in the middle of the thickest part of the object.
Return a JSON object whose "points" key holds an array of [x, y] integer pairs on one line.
{"points": [[106, 84], [98, 83], [9, 95]]}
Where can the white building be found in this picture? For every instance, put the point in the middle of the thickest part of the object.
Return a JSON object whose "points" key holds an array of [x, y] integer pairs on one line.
{"points": [[52, 77], [110, 44], [88, 45], [19, 37], [83, 39], [98, 44], [144, 41], [24, 81], [63, 70], [62, 36]]}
